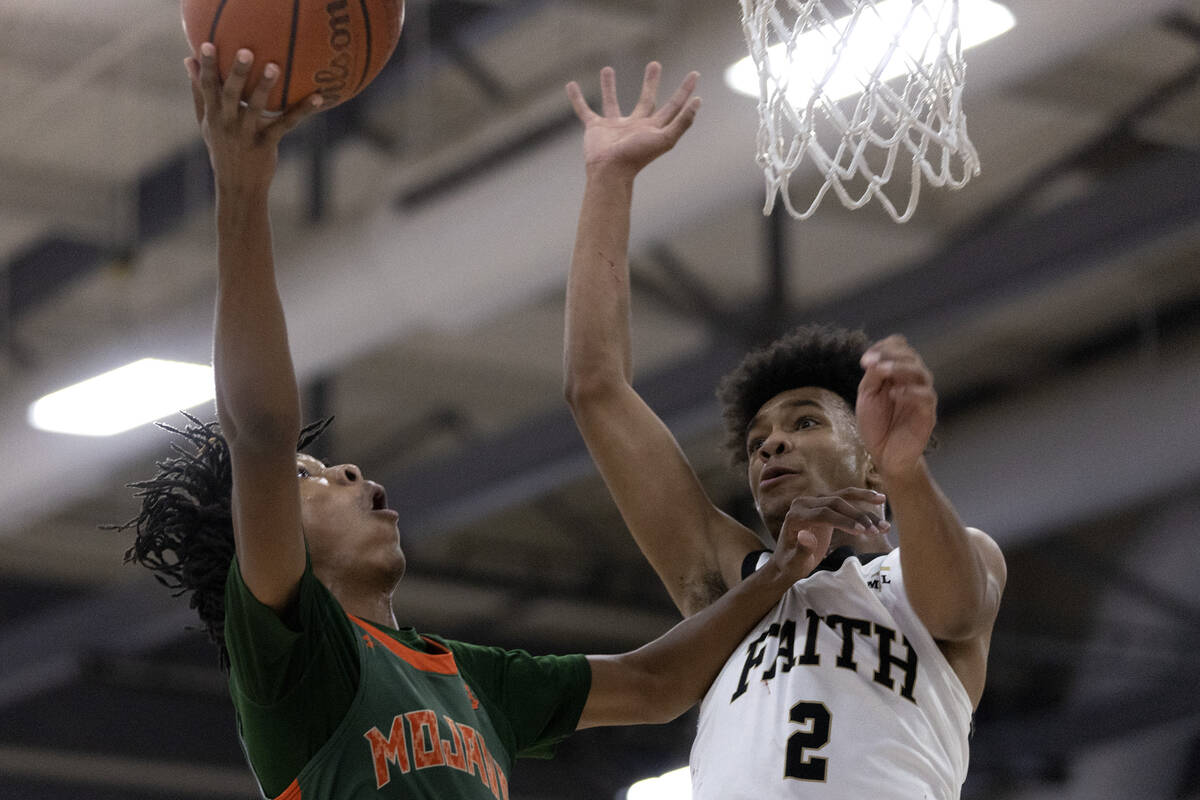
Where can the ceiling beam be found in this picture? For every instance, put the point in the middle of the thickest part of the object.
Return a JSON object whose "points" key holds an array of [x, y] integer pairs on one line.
{"points": [[490, 257], [1017, 257]]}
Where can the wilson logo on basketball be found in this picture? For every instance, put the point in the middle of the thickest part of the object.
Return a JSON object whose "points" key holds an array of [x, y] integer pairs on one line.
{"points": [[331, 81], [333, 48]]}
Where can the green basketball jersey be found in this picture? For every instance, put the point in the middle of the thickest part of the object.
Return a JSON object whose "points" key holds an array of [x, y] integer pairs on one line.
{"points": [[414, 730], [334, 707]]}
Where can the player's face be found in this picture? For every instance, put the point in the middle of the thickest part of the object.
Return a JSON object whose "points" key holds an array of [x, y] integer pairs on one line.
{"points": [[802, 443], [348, 526]]}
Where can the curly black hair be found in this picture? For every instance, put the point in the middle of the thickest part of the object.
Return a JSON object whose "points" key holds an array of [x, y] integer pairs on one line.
{"points": [[185, 527], [811, 355]]}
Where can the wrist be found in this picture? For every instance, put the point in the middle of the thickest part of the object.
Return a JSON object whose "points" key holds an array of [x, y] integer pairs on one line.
{"points": [[240, 203], [242, 190], [610, 173], [899, 478], [774, 580]]}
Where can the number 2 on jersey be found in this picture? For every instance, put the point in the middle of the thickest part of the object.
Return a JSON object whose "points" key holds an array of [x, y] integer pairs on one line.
{"points": [[801, 766]]}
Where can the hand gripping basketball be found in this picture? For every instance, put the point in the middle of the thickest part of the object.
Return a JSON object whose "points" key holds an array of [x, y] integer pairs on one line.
{"points": [[329, 47], [242, 141]]}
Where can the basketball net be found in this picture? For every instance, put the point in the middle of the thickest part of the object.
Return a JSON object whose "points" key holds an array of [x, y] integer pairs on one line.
{"points": [[899, 62]]}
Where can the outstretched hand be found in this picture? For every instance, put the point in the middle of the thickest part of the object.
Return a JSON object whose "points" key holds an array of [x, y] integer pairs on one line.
{"points": [[807, 530], [896, 406], [242, 141], [630, 143]]}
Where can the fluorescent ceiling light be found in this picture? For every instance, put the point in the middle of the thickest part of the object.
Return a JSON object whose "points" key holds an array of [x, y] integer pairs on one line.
{"points": [[979, 21], [673, 785], [128, 396]]}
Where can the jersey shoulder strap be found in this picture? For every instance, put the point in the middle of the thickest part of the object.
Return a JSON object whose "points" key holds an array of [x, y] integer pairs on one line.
{"points": [[752, 562]]}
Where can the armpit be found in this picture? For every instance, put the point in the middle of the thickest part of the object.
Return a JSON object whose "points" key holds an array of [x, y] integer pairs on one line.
{"points": [[706, 591]]}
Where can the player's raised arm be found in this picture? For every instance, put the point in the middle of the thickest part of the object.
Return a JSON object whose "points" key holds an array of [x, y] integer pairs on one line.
{"points": [[954, 575], [695, 549], [257, 400]]}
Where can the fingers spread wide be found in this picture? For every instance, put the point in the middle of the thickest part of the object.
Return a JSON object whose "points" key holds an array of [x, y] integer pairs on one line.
{"points": [[678, 100], [582, 109], [645, 104], [608, 93]]}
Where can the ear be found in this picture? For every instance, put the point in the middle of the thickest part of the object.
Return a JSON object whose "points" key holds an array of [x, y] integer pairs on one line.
{"points": [[871, 474]]}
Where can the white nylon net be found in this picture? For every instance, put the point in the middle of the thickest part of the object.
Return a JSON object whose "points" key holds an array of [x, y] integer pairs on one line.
{"points": [[816, 58]]}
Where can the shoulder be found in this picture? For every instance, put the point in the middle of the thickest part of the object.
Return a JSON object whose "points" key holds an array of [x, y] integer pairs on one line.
{"points": [[498, 665], [985, 548], [991, 555], [537, 700], [260, 639]]}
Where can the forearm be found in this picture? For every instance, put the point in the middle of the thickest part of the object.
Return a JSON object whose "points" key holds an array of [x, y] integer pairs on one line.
{"points": [[944, 574], [257, 394], [597, 345], [660, 680]]}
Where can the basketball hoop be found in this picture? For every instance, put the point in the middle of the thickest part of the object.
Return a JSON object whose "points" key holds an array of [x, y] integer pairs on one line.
{"points": [[897, 62]]}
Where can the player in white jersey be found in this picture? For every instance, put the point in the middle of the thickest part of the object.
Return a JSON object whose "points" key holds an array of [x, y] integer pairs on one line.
{"points": [[862, 681], [840, 686]]}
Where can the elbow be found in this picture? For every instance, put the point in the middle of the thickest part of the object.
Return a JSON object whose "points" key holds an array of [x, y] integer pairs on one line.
{"points": [[957, 621], [657, 699], [584, 388], [957, 628], [660, 707], [634, 689], [664, 698], [967, 608], [260, 427]]}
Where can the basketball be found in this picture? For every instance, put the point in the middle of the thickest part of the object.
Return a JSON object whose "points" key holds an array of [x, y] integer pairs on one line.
{"points": [[329, 47]]}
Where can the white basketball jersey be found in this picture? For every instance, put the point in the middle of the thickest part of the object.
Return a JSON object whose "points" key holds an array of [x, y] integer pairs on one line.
{"points": [[839, 692]]}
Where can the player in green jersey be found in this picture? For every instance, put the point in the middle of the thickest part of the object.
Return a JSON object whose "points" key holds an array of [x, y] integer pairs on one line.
{"points": [[292, 562]]}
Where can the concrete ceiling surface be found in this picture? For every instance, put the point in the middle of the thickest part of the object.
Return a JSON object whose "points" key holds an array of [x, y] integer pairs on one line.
{"points": [[477, 252]]}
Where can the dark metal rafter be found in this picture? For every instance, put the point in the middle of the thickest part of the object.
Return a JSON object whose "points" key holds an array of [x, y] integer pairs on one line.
{"points": [[1020, 256]]}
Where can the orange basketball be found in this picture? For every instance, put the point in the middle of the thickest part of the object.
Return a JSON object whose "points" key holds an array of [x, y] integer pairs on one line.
{"points": [[331, 47]]}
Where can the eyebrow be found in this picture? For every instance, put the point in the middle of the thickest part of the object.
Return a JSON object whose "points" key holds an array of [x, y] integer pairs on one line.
{"points": [[801, 403]]}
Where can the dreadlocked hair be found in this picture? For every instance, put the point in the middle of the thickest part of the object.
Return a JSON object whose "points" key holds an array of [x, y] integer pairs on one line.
{"points": [[185, 527], [811, 355]]}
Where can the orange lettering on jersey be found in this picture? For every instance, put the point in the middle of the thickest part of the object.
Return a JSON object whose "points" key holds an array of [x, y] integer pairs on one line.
{"points": [[471, 696], [426, 743], [499, 782], [388, 749], [492, 767], [472, 744], [503, 782], [454, 753]]}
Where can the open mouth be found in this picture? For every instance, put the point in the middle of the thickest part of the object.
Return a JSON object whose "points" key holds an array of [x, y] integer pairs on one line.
{"points": [[379, 499], [379, 504], [773, 475]]}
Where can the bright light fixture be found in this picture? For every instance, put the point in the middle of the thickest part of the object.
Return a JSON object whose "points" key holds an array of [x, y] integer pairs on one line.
{"points": [[673, 785], [124, 398], [979, 21]]}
